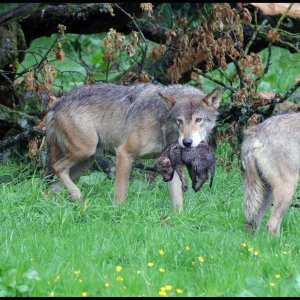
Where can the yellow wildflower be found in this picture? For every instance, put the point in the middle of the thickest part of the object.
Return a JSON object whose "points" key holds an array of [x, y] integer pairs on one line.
{"points": [[150, 264], [179, 291], [84, 294], [272, 283], [162, 293], [255, 252], [161, 251], [80, 280], [244, 245], [277, 276], [120, 278], [284, 252], [161, 270], [168, 287], [77, 272], [201, 259], [187, 248], [138, 272], [106, 284], [119, 268], [57, 278], [250, 249], [193, 263]]}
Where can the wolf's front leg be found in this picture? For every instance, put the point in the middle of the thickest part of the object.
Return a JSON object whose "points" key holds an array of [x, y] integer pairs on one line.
{"points": [[176, 192], [123, 168]]}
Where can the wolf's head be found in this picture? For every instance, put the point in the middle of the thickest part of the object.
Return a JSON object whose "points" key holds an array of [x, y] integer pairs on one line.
{"points": [[195, 115]]}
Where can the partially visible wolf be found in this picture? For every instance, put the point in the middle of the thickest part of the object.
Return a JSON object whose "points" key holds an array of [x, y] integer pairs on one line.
{"points": [[133, 121], [271, 163]]}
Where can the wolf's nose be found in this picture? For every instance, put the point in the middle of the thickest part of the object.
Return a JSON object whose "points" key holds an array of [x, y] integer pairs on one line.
{"points": [[187, 142]]}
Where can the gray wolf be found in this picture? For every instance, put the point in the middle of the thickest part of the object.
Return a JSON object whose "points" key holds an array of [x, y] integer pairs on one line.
{"points": [[198, 160], [133, 121], [271, 163]]}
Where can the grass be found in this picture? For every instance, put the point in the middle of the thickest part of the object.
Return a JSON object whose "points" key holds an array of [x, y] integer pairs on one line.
{"points": [[53, 247]]}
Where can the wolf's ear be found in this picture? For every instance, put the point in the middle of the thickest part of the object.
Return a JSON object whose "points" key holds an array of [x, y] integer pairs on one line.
{"points": [[170, 99], [213, 99]]}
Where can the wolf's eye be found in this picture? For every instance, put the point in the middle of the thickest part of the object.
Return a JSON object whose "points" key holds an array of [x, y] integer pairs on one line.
{"points": [[179, 121], [198, 120]]}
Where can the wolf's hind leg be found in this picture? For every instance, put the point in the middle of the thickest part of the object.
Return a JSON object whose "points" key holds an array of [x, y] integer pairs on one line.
{"points": [[62, 170], [283, 194], [76, 171], [176, 192]]}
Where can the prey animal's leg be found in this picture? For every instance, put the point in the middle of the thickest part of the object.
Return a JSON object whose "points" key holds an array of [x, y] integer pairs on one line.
{"points": [[199, 182], [192, 175], [176, 192]]}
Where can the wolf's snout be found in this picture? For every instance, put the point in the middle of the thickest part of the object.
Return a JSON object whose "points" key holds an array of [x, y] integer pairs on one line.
{"points": [[187, 142]]}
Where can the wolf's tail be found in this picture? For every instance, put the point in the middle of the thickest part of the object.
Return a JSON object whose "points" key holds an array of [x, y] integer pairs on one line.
{"points": [[54, 152], [255, 187]]}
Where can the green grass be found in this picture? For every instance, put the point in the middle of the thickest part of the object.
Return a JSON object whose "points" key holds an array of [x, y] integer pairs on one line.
{"points": [[44, 240]]}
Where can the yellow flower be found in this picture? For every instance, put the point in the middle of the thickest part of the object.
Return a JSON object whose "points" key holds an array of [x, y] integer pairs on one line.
{"points": [[77, 272], [162, 288], [272, 283], [106, 284], [250, 249], [138, 271], [201, 259], [168, 287], [161, 251], [244, 245], [57, 278], [162, 293], [193, 263], [284, 252], [150, 264], [119, 268], [286, 245], [120, 278], [161, 270], [179, 291], [277, 276], [187, 248], [80, 280], [84, 294], [255, 252]]}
